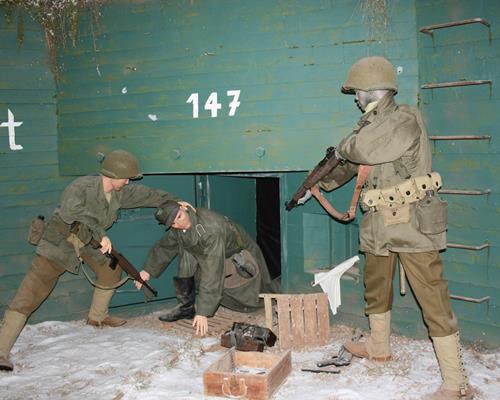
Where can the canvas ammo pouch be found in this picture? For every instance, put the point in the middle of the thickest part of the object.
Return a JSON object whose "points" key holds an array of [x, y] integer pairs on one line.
{"points": [[37, 228], [432, 214], [394, 202]]}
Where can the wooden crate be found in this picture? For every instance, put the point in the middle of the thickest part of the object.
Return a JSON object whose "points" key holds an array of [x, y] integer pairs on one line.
{"points": [[247, 374], [303, 319]]}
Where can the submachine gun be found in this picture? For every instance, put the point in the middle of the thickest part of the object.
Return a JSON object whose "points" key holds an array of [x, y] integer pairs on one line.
{"points": [[323, 168], [118, 258]]}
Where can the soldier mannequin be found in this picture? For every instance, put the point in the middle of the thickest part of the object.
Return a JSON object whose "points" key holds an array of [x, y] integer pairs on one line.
{"points": [[207, 243], [93, 201], [392, 140]]}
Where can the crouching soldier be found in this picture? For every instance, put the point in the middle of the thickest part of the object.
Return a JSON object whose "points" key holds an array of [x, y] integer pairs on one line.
{"points": [[93, 201], [216, 253]]}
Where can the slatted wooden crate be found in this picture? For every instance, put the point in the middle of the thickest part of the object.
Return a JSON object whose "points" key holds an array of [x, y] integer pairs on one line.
{"points": [[303, 319], [247, 375]]}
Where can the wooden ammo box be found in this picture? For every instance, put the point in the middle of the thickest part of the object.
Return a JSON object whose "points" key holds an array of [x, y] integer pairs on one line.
{"points": [[247, 374]]}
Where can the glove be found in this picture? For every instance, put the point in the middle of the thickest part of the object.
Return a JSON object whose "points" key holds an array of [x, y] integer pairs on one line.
{"points": [[304, 198]]}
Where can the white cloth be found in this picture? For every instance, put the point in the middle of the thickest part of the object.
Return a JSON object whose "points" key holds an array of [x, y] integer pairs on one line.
{"points": [[330, 282]]}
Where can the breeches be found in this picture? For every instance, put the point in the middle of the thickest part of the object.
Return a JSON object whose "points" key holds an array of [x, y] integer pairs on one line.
{"points": [[424, 272], [43, 276]]}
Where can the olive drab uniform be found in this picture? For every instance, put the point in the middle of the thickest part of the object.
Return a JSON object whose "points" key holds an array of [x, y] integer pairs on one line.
{"points": [[84, 201], [403, 218], [394, 140], [204, 251]]}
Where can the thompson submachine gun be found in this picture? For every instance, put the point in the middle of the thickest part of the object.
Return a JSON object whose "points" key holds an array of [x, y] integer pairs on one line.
{"points": [[323, 168]]}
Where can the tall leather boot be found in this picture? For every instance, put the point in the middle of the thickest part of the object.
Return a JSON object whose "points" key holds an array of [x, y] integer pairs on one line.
{"points": [[377, 347], [98, 313], [184, 289], [455, 384], [13, 323]]}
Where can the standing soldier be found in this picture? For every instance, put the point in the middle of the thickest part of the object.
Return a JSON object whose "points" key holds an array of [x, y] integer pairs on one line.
{"points": [[93, 201], [227, 265], [403, 217]]}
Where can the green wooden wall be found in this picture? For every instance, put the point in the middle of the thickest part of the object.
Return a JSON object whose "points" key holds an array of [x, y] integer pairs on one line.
{"points": [[457, 54], [128, 84], [30, 184]]}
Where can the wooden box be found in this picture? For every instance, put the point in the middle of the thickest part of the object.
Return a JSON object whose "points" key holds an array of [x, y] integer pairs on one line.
{"points": [[247, 374]]}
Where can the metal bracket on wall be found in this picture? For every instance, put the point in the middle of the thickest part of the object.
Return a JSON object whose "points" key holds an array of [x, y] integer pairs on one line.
{"points": [[470, 299], [430, 28]]}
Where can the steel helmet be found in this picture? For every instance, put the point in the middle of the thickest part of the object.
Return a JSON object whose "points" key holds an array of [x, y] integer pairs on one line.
{"points": [[370, 73], [120, 164]]}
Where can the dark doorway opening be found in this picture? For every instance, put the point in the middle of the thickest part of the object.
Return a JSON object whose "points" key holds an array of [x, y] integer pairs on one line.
{"points": [[268, 222]]}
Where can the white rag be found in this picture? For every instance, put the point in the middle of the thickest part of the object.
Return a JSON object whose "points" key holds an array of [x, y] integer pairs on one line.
{"points": [[330, 281]]}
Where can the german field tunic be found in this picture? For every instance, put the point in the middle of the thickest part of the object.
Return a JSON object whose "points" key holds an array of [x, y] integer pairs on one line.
{"points": [[202, 251]]}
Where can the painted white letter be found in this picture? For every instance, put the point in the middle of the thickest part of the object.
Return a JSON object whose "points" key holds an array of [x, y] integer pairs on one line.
{"points": [[11, 125]]}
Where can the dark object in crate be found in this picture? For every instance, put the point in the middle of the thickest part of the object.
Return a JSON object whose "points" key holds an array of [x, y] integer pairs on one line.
{"points": [[247, 337]]}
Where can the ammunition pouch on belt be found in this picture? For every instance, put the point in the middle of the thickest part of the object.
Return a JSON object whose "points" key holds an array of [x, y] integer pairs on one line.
{"points": [[406, 192], [246, 337]]}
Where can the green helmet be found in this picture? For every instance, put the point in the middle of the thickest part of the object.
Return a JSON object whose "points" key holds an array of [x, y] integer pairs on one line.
{"points": [[120, 164], [370, 73]]}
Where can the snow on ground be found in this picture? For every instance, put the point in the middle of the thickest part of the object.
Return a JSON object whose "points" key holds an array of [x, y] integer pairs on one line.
{"points": [[141, 360]]}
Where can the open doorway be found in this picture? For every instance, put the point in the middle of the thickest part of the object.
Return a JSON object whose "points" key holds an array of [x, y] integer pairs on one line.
{"points": [[267, 195], [253, 201]]}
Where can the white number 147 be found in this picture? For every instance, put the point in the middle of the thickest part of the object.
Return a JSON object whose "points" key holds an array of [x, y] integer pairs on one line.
{"points": [[213, 105]]}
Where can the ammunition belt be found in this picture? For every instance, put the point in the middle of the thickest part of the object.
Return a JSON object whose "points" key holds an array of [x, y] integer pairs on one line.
{"points": [[406, 192]]}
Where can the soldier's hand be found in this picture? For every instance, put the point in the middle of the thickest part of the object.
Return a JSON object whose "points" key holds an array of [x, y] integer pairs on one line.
{"points": [[145, 277], [304, 198], [185, 204], [106, 246], [200, 322]]}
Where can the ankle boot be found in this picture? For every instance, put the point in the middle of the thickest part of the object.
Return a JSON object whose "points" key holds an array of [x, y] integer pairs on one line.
{"points": [[13, 323], [455, 382], [98, 313], [184, 289], [377, 347]]}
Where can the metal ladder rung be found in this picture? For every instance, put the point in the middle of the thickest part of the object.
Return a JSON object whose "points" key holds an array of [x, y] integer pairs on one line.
{"points": [[461, 137], [467, 246], [465, 192], [456, 84], [428, 29], [470, 299]]}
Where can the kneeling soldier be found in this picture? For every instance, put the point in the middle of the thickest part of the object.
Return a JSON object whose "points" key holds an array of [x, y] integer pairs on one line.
{"points": [[216, 253]]}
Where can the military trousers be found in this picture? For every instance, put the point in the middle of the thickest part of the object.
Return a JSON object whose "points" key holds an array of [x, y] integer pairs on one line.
{"points": [[41, 279], [424, 272]]}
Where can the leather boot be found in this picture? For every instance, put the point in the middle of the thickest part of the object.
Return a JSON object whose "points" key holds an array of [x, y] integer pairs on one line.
{"points": [[377, 347], [13, 323], [455, 384], [98, 313], [184, 289]]}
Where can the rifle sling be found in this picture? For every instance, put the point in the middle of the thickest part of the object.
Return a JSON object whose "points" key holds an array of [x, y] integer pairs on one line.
{"points": [[95, 284], [363, 172]]}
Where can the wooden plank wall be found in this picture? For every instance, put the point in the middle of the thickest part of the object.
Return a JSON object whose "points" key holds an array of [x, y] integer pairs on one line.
{"points": [[129, 82], [461, 53], [30, 183]]}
